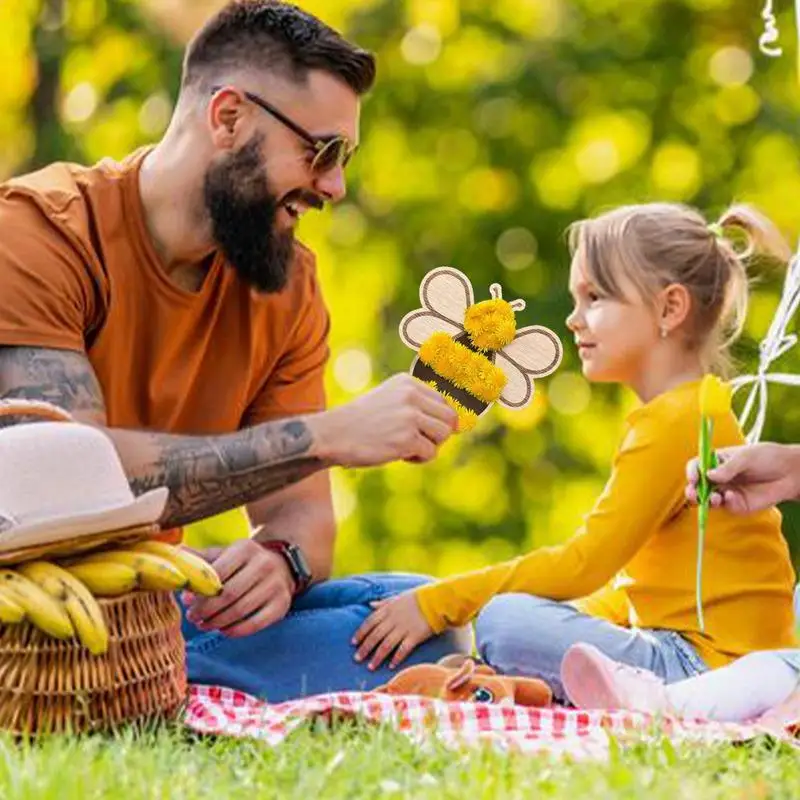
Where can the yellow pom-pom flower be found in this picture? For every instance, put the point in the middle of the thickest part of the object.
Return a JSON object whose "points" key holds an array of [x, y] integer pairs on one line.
{"points": [[715, 397], [491, 324], [463, 367]]}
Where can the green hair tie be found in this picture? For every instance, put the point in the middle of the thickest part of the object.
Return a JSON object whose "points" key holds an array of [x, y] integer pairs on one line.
{"points": [[716, 229]]}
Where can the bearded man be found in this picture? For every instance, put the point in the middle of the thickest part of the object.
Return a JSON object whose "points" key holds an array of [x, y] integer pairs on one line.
{"points": [[164, 299]]}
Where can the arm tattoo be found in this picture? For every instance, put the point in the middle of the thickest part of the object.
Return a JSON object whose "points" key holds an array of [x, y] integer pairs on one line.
{"points": [[205, 474], [61, 377]]}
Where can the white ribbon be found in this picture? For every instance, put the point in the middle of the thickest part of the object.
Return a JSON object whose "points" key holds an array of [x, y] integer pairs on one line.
{"points": [[772, 347]]}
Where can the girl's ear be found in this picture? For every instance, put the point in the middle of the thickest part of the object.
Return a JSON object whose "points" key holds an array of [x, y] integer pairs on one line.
{"points": [[674, 306]]}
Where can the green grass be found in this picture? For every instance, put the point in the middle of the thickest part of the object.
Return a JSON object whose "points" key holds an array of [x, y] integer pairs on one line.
{"points": [[354, 761]]}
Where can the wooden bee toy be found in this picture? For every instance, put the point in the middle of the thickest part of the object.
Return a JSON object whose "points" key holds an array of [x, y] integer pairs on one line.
{"points": [[472, 353]]}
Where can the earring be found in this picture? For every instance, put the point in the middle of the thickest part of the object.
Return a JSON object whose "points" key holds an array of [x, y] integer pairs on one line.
{"points": [[663, 333]]}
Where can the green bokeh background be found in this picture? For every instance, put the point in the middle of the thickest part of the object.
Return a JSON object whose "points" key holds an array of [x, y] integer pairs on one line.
{"points": [[494, 124]]}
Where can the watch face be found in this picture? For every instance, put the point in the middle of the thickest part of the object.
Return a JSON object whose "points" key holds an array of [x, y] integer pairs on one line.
{"points": [[299, 562]]}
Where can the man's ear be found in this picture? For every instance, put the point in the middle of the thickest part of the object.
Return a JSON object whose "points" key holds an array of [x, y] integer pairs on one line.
{"points": [[675, 303], [226, 114]]}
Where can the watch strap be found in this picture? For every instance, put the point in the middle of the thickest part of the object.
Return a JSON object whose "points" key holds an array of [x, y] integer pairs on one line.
{"points": [[293, 555]]}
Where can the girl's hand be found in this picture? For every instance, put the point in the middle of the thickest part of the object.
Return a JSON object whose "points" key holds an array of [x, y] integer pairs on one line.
{"points": [[396, 624]]}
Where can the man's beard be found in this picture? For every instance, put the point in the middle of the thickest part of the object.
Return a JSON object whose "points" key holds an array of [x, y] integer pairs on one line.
{"points": [[243, 213]]}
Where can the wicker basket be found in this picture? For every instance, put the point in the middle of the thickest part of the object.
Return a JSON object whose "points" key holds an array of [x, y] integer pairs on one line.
{"points": [[53, 686]]}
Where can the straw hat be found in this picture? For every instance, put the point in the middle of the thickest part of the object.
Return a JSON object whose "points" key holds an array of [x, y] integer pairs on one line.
{"points": [[60, 480]]}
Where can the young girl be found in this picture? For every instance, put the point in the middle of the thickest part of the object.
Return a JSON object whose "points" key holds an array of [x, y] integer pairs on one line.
{"points": [[659, 295]]}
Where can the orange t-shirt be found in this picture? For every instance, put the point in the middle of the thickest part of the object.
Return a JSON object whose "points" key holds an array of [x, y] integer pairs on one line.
{"points": [[79, 271]]}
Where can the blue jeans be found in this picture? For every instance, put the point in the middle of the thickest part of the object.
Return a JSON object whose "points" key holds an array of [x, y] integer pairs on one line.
{"points": [[519, 634], [309, 651]]}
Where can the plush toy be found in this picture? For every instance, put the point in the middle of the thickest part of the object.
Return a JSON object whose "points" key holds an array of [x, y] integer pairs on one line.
{"points": [[472, 353], [461, 679]]}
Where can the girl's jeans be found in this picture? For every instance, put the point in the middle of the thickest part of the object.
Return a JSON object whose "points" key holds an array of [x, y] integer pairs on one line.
{"points": [[520, 634]]}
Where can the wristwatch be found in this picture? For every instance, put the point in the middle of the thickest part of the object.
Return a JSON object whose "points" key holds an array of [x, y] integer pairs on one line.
{"points": [[296, 561]]}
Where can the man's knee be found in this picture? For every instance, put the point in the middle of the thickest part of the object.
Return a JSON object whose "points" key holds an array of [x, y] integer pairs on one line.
{"points": [[397, 582], [511, 627], [357, 590]]}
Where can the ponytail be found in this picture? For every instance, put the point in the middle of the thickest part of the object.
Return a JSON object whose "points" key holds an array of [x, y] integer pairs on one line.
{"points": [[761, 238]]}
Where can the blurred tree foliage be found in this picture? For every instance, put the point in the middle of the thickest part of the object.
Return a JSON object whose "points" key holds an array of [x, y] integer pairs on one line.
{"points": [[493, 126]]}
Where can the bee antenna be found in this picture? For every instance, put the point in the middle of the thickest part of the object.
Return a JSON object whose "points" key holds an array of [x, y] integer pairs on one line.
{"points": [[497, 294]]}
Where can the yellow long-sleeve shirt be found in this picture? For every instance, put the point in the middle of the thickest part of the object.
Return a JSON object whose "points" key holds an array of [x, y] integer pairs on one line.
{"points": [[642, 527]]}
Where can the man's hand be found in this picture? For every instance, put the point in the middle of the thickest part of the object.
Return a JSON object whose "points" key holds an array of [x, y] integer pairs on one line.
{"points": [[397, 624], [257, 590], [750, 478], [400, 419]]}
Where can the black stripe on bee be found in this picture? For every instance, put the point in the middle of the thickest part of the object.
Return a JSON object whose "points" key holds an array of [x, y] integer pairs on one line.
{"points": [[425, 373]]}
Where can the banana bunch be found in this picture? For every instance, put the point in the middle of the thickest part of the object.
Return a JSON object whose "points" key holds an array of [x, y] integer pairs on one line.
{"points": [[60, 598], [154, 566]]}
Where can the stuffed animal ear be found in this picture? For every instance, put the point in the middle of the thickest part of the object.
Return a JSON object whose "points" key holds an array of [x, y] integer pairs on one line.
{"points": [[457, 660], [531, 692], [462, 676], [454, 660]]}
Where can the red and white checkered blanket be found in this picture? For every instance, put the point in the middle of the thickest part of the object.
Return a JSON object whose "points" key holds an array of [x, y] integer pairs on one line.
{"points": [[558, 731]]}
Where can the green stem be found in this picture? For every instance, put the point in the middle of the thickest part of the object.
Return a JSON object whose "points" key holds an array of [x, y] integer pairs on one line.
{"points": [[707, 461], [702, 517]]}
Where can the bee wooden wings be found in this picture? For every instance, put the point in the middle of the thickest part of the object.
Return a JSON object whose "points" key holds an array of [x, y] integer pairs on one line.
{"points": [[445, 294], [535, 352]]}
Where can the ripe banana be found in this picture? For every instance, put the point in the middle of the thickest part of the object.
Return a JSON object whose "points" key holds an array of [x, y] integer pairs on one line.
{"points": [[202, 577], [154, 573], [83, 610], [10, 610], [41, 609], [104, 580]]}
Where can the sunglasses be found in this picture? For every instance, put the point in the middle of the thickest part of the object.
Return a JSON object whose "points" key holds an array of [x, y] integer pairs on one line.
{"points": [[329, 151]]}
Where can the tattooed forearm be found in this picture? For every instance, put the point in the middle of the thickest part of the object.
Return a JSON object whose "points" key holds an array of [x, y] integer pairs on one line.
{"points": [[61, 377], [208, 475], [205, 474]]}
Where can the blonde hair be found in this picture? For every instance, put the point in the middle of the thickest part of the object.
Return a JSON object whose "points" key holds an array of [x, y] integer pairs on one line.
{"points": [[654, 245]]}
